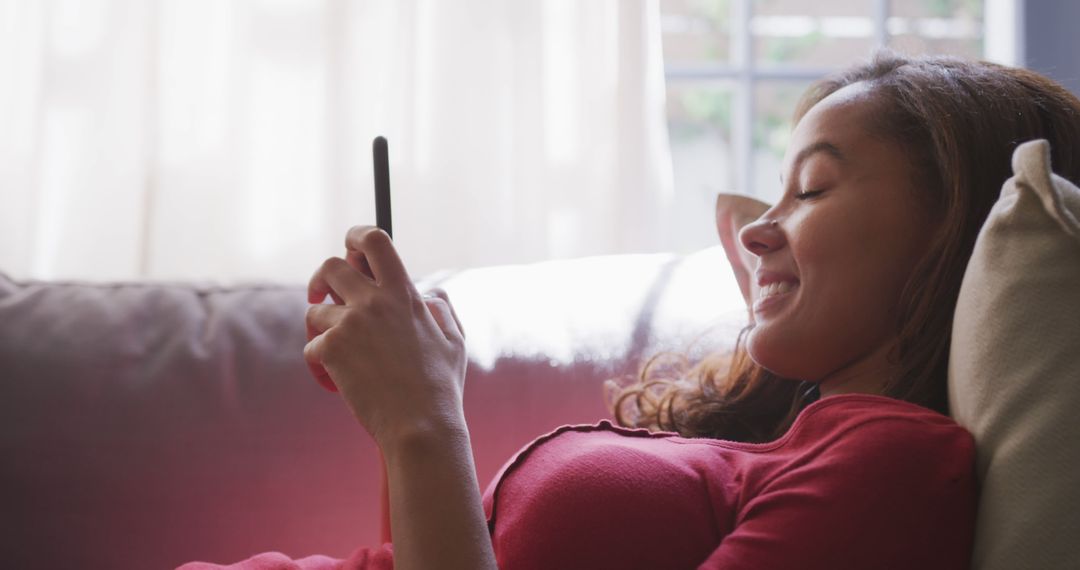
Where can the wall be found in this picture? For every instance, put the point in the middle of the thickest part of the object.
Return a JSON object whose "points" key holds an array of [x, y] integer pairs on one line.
{"points": [[1051, 41]]}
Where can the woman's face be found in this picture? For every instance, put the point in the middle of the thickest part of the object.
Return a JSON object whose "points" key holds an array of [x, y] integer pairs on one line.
{"points": [[848, 231]]}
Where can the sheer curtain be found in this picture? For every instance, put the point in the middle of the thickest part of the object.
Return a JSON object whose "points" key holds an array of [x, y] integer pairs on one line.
{"points": [[229, 141]]}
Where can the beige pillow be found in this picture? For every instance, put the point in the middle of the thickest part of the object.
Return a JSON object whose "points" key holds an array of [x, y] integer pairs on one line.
{"points": [[1014, 370], [733, 211]]}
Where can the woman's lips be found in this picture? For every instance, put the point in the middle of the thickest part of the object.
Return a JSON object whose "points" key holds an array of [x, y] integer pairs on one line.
{"points": [[765, 277], [773, 295]]}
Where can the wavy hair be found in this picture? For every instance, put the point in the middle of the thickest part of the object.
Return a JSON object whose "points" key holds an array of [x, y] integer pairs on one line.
{"points": [[959, 122]]}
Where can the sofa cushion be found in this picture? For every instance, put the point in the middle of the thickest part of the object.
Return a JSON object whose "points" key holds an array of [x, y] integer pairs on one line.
{"points": [[1014, 371], [147, 424], [601, 309], [144, 424]]}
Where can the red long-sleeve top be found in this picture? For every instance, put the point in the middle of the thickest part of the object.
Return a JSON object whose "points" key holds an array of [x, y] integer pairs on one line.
{"points": [[859, 481]]}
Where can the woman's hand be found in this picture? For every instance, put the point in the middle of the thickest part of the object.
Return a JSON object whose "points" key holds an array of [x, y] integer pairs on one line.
{"points": [[397, 358], [399, 361]]}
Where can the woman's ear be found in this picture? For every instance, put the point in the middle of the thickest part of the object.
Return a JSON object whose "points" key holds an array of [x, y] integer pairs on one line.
{"points": [[733, 211]]}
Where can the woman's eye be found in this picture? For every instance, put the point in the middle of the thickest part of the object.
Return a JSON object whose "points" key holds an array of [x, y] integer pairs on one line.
{"points": [[808, 195]]}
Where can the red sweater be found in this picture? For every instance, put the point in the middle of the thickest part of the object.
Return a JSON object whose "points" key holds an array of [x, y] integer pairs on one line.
{"points": [[859, 481]]}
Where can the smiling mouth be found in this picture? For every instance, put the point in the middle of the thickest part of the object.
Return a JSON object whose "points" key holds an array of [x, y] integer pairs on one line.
{"points": [[772, 293], [778, 288]]}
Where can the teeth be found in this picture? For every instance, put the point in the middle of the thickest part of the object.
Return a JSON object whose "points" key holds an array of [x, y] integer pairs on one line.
{"points": [[776, 289]]}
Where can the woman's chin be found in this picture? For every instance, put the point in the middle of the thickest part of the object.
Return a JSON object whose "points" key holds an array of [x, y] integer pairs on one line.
{"points": [[760, 349], [773, 354]]}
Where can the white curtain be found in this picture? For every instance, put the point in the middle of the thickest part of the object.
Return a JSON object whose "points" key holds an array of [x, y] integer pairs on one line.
{"points": [[230, 141]]}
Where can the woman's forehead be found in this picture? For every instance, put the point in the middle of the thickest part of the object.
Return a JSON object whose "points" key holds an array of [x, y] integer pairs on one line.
{"points": [[845, 108], [840, 120]]}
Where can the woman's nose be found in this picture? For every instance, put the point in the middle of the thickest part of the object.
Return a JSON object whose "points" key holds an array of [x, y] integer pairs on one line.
{"points": [[762, 236]]}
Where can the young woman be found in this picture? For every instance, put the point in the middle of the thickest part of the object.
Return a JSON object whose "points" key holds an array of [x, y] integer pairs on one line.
{"points": [[823, 443]]}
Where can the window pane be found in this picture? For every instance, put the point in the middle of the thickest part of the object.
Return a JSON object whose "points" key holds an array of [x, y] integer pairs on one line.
{"points": [[699, 124], [818, 34], [695, 31], [953, 27], [774, 106]]}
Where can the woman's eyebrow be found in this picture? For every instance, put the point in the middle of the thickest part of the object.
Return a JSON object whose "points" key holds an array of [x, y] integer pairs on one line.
{"points": [[819, 146]]}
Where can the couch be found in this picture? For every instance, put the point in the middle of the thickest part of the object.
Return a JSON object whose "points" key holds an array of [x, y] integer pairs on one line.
{"points": [[148, 424]]}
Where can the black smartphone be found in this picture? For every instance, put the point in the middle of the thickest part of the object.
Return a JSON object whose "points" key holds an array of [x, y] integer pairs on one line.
{"points": [[380, 154]]}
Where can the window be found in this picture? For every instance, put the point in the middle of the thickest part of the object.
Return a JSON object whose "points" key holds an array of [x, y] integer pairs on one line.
{"points": [[735, 69]]}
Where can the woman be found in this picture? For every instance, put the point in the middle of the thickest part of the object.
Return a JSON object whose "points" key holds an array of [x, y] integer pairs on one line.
{"points": [[823, 444]]}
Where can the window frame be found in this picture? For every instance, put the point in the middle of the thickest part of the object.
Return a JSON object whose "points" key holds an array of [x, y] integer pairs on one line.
{"points": [[743, 74]]}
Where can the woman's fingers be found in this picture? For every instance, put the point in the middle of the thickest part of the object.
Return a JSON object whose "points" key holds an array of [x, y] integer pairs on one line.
{"points": [[371, 245], [313, 355], [370, 275], [441, 312], [442, 295], [337, 278], [320, 318]]}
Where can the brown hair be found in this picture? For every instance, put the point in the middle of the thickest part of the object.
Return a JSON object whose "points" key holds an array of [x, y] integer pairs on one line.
{"points": [[959, 122]]}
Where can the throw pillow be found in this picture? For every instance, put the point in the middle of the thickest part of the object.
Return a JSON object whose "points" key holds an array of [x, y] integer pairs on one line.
{"points": [[1014, 370]]}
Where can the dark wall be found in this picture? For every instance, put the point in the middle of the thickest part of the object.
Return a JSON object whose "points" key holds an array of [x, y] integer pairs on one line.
{"points": [[1052, 41]]}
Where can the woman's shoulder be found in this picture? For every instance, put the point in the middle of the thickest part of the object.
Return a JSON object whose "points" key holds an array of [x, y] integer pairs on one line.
{"points": [[834, 429], [849, 412], [870, 428], [846, 417]]}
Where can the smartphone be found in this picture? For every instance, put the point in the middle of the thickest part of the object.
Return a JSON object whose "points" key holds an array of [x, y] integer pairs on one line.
{"points": [[380, 154]]}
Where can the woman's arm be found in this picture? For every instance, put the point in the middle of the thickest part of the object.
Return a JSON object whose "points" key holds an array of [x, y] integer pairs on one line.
{"points": [[435, 512], [398, 360]]}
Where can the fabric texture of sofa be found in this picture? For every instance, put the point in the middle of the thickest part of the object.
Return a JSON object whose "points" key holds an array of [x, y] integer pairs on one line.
{"points": [[148, 424]]}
